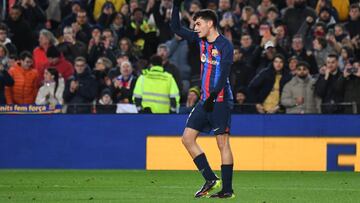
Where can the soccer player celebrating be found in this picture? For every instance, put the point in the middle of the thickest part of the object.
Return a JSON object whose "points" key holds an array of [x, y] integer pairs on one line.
{"points": [[213, 110]]}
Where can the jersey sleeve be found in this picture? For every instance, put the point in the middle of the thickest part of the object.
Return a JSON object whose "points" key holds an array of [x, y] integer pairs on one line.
{"points": [[225, 66], [176, 27]]}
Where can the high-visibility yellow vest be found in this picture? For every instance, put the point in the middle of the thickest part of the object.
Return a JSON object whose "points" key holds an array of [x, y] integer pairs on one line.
{"points": [[146, 28], [156, 87]]}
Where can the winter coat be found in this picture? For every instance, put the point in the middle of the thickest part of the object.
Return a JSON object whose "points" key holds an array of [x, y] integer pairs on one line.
{"points": [[298, 87], [350, 89], [5, 80], [25, 86], [261, 86], [326, 90], [84, 95]]}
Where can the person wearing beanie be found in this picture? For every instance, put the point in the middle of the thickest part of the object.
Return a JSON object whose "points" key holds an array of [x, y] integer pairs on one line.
{"points": [[105, 103]]}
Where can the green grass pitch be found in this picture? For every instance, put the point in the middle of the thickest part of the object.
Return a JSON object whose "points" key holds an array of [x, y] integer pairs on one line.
{"points": [[173, 186]]}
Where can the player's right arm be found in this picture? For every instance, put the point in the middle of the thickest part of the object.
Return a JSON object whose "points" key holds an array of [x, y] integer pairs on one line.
{"points": [[175, 24]]}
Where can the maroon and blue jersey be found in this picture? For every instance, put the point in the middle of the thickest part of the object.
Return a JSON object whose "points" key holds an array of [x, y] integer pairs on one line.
{"points": [[216, 59]]}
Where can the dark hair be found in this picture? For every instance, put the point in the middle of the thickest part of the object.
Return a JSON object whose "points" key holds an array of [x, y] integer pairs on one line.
{"points": [[138, 9], [280, 56], [156, 60], [303, 63], [55, 73], [333, 55], [4, 27], [322, 41], [207, 14], [25, 54], [354, 6]]}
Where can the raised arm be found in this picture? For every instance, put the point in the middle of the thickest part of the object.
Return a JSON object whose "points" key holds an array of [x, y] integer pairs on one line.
{"points": [[175, 24]]}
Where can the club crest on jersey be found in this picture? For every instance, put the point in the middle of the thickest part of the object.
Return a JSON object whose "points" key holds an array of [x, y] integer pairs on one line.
{"points": [[203, 58], [214, 52]]}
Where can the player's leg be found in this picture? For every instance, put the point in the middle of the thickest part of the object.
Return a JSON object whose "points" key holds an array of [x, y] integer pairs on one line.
{"points": [[227, 164], [197, 122], [221, 120]]}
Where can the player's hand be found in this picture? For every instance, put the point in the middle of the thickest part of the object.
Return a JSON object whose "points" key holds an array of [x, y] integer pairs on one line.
{"points": [[209, 102], [177, 3]]}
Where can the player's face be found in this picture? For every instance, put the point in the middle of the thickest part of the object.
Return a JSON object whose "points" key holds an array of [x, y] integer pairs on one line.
{"points": [[202, 27]]}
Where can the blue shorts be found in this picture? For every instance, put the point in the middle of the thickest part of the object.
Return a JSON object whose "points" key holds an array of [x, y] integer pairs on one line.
{"points": [[218, 121]]}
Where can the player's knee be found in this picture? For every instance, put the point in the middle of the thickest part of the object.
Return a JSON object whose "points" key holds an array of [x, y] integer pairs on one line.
{"points": [[187, 141]]}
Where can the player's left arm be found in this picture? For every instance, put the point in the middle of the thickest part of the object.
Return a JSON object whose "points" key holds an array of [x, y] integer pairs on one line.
{"points": [[225, 67]]}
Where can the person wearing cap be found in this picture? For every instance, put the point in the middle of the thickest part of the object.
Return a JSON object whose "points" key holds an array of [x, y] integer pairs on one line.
{"points": [[192, 99], [156, 89], [56, 60], [298, 95]]}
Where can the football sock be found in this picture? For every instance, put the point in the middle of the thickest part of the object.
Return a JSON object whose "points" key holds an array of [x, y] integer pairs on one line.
{"points": [[203, 166], [226, 175]]}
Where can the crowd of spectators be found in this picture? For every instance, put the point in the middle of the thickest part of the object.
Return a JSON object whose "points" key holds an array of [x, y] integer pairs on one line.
{"points": [[293, 56]]}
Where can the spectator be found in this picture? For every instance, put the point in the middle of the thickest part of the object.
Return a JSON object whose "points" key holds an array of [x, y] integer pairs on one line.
{"points": [[325, 17], [162, 14], [241, 102], [293, 61], [346, 55], [156, 90], [296, 16], [326, 86], [70, 47], [105, 104], [241, 72], [101, 70], [18, 26], [353, 24], [267, 86], [142, 33], [120, 58], [118, 26], [348, 85], [298, 50], [282, 39], [178, 55], [4, 40], [107, 15], [80, 89], [124, 84], [69, 18], [33, 14], [25, 81], [163, 52], [56, 60], [99, 5], [298, 95], [5, 81], [327, 4], [81, 27], [126, 48], [247, 47], [263, 7], [46, 40], [53, 15], [193, 97], [52, 90], [321, 51], [105, 48]]}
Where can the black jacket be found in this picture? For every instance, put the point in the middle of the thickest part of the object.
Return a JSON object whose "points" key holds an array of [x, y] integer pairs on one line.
{"points": [[5, 80], [349, 88], [326, 90], [261, 86], [85, 94]]}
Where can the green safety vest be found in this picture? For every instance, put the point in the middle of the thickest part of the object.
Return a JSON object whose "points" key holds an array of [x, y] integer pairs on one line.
{"points": [[156, 87]]}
